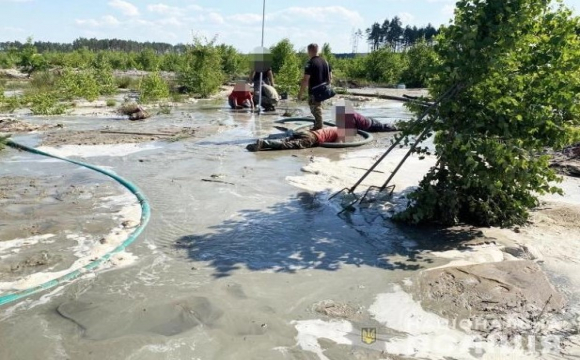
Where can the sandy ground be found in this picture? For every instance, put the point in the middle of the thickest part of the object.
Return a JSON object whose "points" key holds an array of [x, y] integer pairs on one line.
{"points": [[494, 284]]}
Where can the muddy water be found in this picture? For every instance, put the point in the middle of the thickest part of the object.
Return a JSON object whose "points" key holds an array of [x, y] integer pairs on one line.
{"points": [[224, 268]]}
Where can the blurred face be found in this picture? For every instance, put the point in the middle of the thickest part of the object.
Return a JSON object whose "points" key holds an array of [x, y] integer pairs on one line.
{"points": [[260, 60], [344, 120], [241, 87]]}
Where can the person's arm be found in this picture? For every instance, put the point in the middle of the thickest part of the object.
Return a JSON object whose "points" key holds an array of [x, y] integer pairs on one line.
{"points": [[303, 86], [271, 77], [305, 80], [329, 75]]}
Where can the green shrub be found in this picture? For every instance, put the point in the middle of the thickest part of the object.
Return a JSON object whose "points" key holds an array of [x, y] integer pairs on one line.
{"points": [[46, 103], [3, 140], [111, 102], [43, 81], [288, 78], [11, 103], [280, 52], [519, 69], [105, 80], [385, 66], [127, 82], [153, 87], [202, 73], [420, 57], [78, 84]]}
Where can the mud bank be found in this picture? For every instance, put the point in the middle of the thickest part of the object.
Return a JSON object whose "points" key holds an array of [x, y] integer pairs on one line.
{"points": [[499, 292]]}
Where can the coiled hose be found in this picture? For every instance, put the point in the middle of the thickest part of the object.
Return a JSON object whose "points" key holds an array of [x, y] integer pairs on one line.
{"points": [[145, 216], [367, 137]]}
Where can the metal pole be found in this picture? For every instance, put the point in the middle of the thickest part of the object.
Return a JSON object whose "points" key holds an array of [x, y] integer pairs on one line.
{"points": [[262, 73]]}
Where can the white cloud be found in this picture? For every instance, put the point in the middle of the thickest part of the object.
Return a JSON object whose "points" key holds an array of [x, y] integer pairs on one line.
{"points": [[448, 10], [165, 9], [246, 18], [216, 18], [105, 21], [406, 18], [125, 7]]}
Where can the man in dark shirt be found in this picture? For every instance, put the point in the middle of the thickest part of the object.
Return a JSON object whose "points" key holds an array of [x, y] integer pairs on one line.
{"points": [[316, 73]]}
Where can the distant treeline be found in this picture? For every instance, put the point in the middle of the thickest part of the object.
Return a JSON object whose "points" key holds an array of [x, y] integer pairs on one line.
{"points": [[392, 34], [97, 45]]}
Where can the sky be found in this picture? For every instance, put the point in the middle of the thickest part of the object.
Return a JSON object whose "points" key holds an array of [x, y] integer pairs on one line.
{"points": [[235, 22]]}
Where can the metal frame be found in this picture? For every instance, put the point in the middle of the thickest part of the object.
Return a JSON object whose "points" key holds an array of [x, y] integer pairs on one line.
{"points": [[428, 125]]}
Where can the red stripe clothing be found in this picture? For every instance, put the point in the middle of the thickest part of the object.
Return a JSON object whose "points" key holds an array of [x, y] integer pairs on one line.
{"points": [[241, 96], [362, 123], [326, 134]]}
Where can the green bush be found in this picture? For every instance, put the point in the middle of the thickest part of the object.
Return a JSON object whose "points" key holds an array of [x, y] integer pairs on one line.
{"points": [[384, 66], [111, 102], [202, 73], [127, 82], [233, 63], [11, 103], [43, 81], [3, 140], [105, 80], [46, 103], [280, 52], [519, 69], [78, 84], [420, 57], [288, 78], [153, 87]]}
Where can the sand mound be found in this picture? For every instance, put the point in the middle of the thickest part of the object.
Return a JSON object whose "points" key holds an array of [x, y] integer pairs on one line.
{"points": [[508, 298]]}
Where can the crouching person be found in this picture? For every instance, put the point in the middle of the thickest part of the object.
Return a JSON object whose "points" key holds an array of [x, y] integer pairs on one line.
{"points": [[241, 97], [270, 97], [299, 140]]}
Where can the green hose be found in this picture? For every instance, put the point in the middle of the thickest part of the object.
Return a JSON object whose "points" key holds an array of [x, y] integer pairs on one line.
{"points": [[367, 137], [145, 215]]}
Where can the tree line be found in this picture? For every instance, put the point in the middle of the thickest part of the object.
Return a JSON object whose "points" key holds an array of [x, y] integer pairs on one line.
{"points": [[393, 35], [94, 44]]}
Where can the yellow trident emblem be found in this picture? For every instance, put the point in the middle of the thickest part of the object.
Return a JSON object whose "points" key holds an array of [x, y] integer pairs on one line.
{"points": [[369, 335]]}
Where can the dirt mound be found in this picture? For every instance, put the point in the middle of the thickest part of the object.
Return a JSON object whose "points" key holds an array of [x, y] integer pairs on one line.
{"points": [[567, 161], [509, 298], [16, 126], [567, 216]]}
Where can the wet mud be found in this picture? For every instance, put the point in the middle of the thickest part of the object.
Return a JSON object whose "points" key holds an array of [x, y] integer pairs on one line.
{"points": [[254, 264]]}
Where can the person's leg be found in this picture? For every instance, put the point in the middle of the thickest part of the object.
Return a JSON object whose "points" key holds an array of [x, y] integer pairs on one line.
{"points": [[231, 103], [377, 126], [316, 110], [300, 140]]}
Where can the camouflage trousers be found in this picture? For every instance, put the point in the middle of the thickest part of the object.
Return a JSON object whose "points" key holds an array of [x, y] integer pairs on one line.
{"points": [[300, 140], [316, 110]]}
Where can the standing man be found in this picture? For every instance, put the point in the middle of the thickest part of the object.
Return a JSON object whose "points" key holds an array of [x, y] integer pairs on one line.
{"points": [[316, 73]]}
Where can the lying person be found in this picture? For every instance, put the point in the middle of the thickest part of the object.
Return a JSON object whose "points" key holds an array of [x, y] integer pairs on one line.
{"points": [[299, 140], [241, 97], [371, 125], [345, 117]]}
